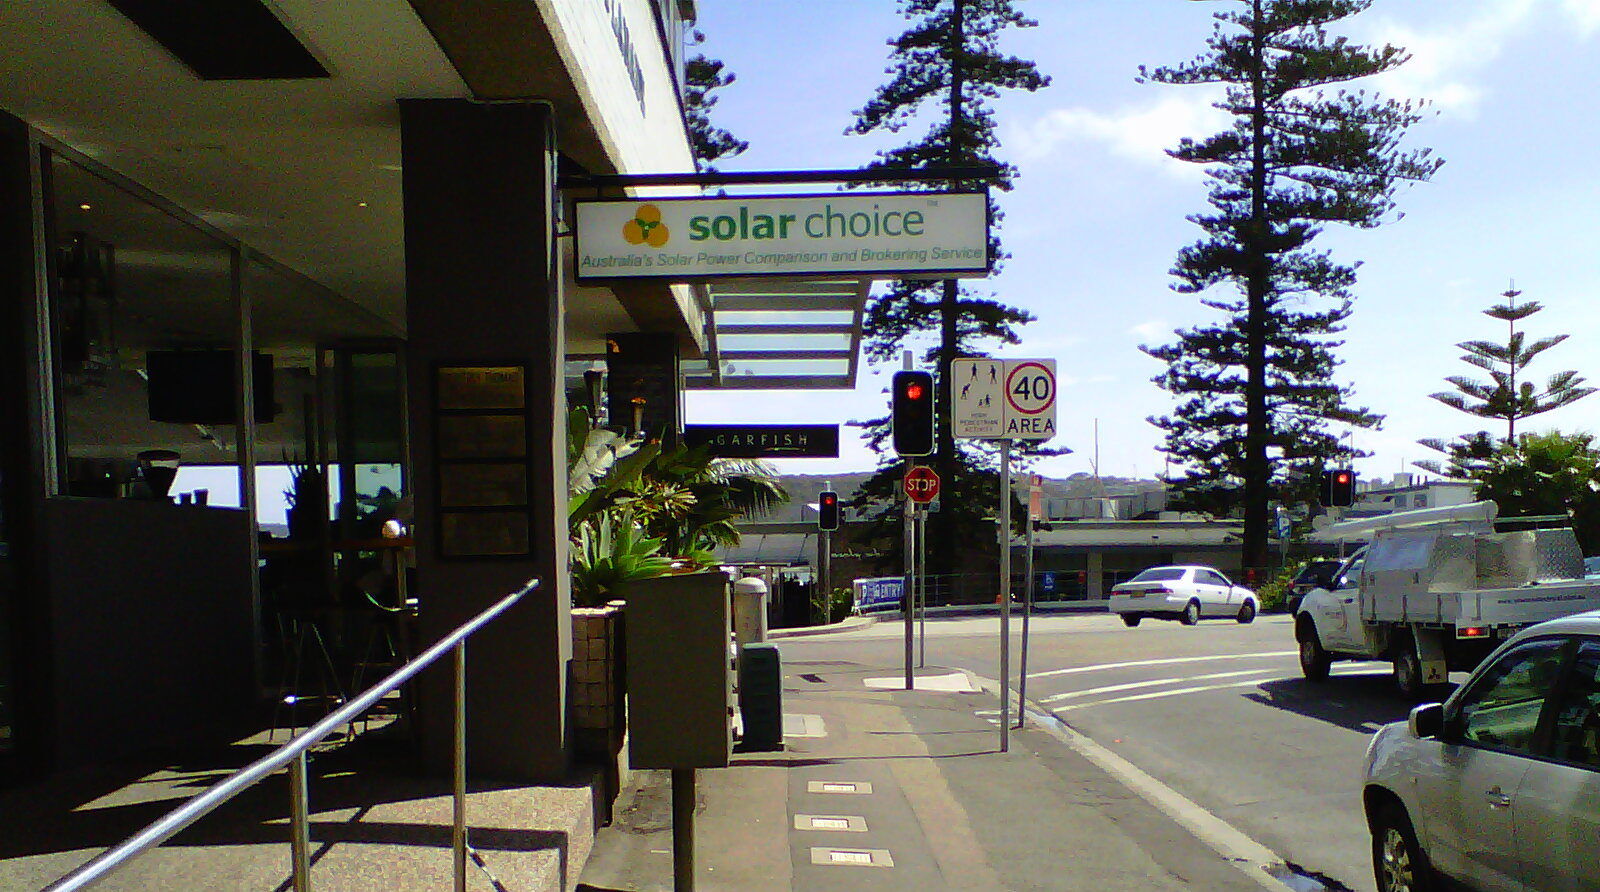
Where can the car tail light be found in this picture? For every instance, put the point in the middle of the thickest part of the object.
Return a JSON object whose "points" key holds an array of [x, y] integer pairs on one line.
{"points": [[1159, 590], [1472, 632]]}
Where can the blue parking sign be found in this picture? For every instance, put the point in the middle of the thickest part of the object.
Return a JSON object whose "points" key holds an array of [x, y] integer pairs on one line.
{"points": [[1047, 582]]}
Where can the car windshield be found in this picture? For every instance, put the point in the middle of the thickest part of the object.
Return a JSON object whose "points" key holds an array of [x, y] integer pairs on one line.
{"points": [[1159, 574]]}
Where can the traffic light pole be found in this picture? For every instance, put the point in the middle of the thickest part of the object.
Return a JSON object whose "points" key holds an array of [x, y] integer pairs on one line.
{"points": [[1005, 596], [824, 579], [908, 552]]}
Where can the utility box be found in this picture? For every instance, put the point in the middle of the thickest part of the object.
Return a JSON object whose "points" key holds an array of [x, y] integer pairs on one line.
{"points": [[679, 683]]}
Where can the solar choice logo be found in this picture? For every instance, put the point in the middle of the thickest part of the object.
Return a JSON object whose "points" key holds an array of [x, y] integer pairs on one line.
{"points": [[646, 227]]}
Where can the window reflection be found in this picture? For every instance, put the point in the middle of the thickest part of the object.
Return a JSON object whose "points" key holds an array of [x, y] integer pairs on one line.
{"points": [[144, 326]]}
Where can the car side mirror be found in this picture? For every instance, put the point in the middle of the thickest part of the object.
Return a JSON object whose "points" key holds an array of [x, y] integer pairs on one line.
{"points": [[1427, 720]]}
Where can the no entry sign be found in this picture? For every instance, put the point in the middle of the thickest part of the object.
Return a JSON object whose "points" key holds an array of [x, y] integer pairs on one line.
{"points": [[921, 484], [1003, 399]]}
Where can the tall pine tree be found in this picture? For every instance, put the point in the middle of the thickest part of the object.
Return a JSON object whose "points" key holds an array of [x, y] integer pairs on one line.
{"points": [[1256, 389], [946, 68], [1507, 395], [702, 76]]}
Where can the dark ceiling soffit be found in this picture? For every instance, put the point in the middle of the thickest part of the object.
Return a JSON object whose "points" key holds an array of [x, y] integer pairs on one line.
{"points": [[954, 174], [224, 39]]}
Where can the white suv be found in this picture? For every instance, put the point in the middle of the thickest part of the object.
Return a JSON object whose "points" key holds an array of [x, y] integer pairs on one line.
{"points": [[1499, 787]]}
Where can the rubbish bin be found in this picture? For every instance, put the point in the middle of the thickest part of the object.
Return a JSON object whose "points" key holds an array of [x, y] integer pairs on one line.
{"points": [[749, 611], [761, 697]]}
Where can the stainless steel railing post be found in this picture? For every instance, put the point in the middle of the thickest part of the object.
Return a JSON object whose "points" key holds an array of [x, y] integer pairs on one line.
{"points": [[458, 835], [299, 824]]}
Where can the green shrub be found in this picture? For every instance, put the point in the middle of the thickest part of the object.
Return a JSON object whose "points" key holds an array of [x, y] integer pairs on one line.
{"points": [[1274, 595], [832, 607]]}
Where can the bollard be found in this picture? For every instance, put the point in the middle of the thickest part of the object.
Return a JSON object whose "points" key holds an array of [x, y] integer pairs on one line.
{"points": [[750, 610]]}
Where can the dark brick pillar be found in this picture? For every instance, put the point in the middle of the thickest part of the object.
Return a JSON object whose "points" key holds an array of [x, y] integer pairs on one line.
{"points": [[481, 290]]}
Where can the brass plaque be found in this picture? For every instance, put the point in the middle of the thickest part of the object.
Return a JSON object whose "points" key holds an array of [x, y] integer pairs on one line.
{"points": [[481, 387], [483, 486], [483, 436], [484, 534]]}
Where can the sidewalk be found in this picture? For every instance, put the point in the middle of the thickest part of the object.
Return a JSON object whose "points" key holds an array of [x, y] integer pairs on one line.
{"points": [[376, 824], [913, 794]]}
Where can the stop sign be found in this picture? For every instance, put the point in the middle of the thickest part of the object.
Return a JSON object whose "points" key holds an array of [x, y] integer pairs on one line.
{"points": [[921, 484]]}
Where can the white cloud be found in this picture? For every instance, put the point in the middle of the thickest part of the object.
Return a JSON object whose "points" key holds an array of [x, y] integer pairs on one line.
{"points": [[1141, 134], [1585, 15], [1445, 61], [1152, 329]]}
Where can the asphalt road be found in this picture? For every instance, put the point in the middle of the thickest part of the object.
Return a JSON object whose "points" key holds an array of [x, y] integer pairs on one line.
{"points": [[1217, 712]]}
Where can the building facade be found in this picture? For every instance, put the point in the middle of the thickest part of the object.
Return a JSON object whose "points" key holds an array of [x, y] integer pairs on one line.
{"points": [[272, 274]]}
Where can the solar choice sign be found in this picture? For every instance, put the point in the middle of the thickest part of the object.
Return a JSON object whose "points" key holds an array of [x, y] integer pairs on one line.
{"points": [[882, 235]]}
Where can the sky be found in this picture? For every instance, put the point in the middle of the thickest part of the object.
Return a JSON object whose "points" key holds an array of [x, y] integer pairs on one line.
{"points": [[1098, 213]]}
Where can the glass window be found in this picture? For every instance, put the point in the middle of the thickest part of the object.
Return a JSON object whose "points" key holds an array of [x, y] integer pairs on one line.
{"points": [[1159, 574], [1576, 737], [1502, 709], [1210, 577], [1352, 574], [146, 333]]}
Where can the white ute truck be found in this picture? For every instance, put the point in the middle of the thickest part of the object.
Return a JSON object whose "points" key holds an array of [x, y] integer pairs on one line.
{"points": [[1436, 590]]}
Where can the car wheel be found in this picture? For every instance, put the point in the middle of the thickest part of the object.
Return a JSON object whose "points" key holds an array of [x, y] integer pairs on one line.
{"points": [[1408, 672], [1398, 862], [1191, 613], [1247, 613], [1131, 619], [1314, 661]]}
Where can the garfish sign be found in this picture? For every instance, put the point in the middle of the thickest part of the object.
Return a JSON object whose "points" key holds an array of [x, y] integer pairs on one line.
{"points": [[874, 235]]}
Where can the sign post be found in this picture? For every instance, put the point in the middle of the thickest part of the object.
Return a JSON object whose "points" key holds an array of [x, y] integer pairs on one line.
{"points": [[922, 586], [1035, 513], [921, 486], [1005, 400], [1005, 596], [907, 606]]}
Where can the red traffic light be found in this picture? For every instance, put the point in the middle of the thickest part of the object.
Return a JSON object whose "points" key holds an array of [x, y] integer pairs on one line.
{"points": [[914, 391], [1342, 478], [828, 510]]}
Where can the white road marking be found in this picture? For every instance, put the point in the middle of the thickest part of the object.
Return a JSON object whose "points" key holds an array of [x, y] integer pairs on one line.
{"points": [[1111, 689], [1077, 669], [1175, 692], [1190, 690]]}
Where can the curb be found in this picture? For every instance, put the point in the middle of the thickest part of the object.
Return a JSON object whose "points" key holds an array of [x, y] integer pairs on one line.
{"points": [[1077, 608], [846, 625]]}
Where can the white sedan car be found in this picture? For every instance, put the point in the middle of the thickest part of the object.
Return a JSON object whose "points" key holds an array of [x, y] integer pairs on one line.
{"points": [[1499, 787], [1182, 593]]}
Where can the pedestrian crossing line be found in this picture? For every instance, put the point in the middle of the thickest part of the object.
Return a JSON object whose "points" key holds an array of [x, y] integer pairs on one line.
{"points": [[1166, 662], [1159, 694], [1131, 686]]}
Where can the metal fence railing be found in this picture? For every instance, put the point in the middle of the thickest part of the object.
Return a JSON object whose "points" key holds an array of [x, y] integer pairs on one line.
{"points": [[293, 755]]}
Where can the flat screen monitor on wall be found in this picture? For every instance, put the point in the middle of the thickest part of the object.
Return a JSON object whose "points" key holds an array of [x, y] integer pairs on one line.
{"points": [[197, 386]]}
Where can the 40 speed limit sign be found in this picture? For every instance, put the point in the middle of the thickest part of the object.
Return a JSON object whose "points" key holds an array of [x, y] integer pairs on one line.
{"points": [[1003, 399]]}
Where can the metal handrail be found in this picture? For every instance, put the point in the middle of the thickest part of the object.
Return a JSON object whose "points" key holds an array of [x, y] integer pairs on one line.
{"points": [[293, 755]]}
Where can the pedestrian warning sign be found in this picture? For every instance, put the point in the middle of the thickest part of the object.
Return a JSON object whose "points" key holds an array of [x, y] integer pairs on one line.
{"points": [[1003, 399]]}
